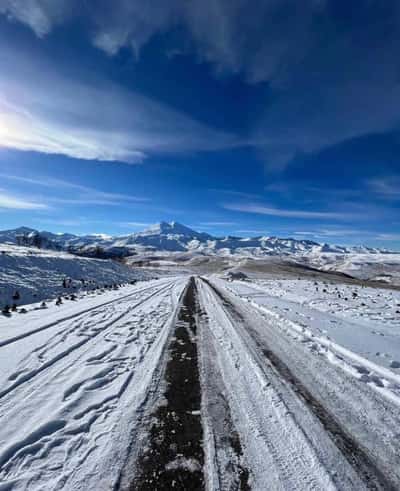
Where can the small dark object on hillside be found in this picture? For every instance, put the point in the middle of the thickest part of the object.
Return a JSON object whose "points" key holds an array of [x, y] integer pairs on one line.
{"points": [[6, 310], [14, 307], [73, 297], [43, 305], [16, 295], [23, 311], [59, 301]]}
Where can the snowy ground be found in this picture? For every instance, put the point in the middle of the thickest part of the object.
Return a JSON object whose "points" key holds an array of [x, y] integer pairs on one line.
{"points": [[364, 320], [38, 274], [203, 384], [381, 267], [71, 391], [304, 419]]}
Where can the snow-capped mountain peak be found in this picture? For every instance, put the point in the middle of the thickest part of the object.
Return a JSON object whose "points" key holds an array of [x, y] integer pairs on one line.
{"points": [[170, 228], [175, 237]]}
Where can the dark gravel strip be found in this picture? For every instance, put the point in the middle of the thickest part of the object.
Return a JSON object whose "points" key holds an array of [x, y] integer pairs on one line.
{"points": [[174, 457]]}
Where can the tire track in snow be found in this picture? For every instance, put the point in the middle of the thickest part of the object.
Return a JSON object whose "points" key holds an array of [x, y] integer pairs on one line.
{"points": [[225, 468], [68, 318], [357, 456], [277, 452], [28, 376], [72, 420]]}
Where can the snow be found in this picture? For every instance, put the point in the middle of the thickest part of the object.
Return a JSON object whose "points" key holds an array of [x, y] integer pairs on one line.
{"points": [[38, 274], [374, 266], [280, 386], [71, 392], [348, 319], [175, 237], [300, 383]]}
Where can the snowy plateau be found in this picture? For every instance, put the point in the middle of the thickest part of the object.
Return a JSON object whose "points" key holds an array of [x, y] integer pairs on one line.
{"points": [[171, 359]]}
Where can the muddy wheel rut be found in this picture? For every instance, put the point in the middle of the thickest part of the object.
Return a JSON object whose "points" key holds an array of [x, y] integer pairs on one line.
{"points": [[174, 456]]}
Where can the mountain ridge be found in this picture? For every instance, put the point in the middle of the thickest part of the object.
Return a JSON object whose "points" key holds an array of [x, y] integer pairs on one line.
{"points": [[175, 237]]}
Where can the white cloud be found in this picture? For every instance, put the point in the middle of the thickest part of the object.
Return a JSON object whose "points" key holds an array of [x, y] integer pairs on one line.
{"points": [[217, 224], [22, 129], [323, 233], [233, 192], [252, 231], [39, 15], [77, 193], [11, 202], [279, 212], [387, 187], [388, 237], [330, 84], [53, 112]]}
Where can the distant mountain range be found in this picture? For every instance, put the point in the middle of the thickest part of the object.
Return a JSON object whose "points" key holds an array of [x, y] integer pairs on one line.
{"points": [[173, 237]]}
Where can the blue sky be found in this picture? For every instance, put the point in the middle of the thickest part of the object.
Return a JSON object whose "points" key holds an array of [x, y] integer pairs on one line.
{"points": [[281, 119]]}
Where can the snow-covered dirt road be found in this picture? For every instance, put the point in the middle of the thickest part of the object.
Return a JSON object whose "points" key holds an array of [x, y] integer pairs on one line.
{"points": [[72, 390], [191, 384], [302, 422]]}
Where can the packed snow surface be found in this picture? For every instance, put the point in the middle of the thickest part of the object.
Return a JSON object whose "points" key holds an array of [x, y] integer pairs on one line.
{"points": [[299, 382], [361, 319], [73, 379], [294, 397]]}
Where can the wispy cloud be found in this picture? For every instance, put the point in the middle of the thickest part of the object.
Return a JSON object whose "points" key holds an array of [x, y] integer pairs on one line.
{"points": [[218, 29], [218, 224], [53, 111], [386, 187], [332, 233], [252, 231], [278, 42], [388, 237], [40, 16], [280, 212], [83, 194], [234, 192], [12, 202]]}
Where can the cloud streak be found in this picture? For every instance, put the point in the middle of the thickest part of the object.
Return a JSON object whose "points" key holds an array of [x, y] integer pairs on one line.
{"points": [[386, 187], [280, 212], [329, 84], [58, 113], [12, 202], [225, 33], [83, 194]]}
